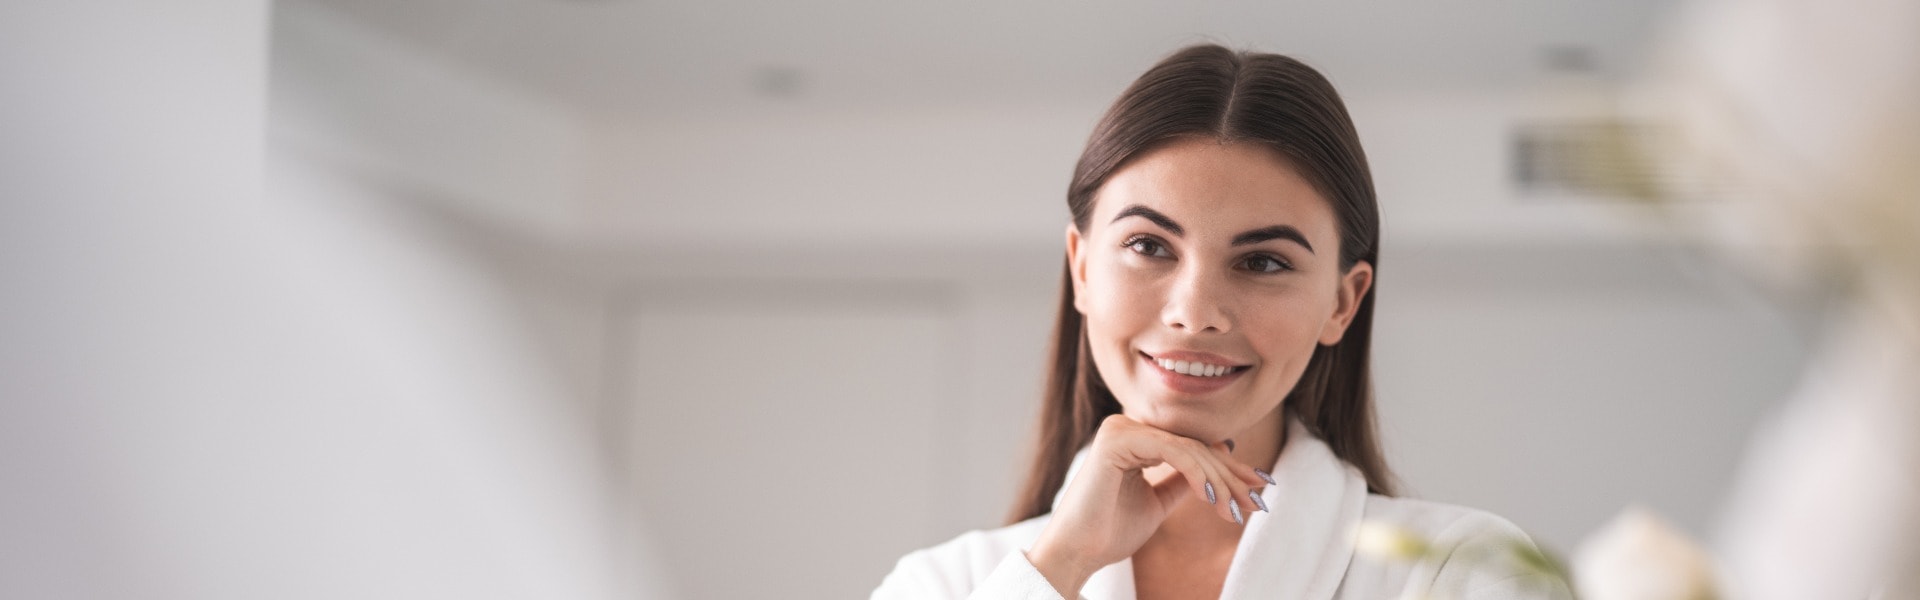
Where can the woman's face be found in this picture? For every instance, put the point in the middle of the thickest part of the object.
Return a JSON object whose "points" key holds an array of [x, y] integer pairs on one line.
{"points": [[1208, 274]]}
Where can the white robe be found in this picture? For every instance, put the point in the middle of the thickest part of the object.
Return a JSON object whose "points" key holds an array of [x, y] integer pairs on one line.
{"points": [[1303, 550]]}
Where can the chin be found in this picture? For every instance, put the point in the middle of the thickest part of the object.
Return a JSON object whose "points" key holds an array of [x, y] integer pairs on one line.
{"points": [[1184, 418]]}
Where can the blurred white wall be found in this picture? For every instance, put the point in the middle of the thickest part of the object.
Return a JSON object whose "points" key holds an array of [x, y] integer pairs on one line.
{"points": [[394, 167]]}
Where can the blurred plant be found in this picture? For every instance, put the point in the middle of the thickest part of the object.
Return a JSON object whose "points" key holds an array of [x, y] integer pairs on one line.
{"points": [[1636, 556], [1391, 543]]}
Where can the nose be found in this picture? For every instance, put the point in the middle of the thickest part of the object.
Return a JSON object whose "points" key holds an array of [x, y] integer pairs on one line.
{"points": [[1196, 303]]}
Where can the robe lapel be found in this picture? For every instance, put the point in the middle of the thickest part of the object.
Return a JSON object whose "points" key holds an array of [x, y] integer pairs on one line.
{"points": [[1113, 582], [1299, 551]]}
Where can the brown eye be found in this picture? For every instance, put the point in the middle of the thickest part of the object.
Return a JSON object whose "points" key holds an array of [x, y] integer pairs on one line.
{"points": [[1261, 263], [1147, 246]]}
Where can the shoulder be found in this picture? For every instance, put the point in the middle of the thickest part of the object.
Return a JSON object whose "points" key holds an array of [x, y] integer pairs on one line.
{"points": [[1441, 523], [955, 567], [1472, 553]]}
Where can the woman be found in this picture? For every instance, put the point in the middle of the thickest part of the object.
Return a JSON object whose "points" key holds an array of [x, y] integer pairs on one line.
{"points": [[1215, 317]]}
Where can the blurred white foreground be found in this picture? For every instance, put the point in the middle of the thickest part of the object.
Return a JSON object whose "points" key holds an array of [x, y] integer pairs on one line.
{"points": [[209, 394]]}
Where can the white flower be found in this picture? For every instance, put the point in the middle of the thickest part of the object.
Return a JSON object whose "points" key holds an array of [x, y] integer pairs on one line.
{"points": [[1389, 542], [1637, 556]]}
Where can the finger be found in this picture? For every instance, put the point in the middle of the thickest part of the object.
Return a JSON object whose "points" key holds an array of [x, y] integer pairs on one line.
{"points": [[1199, 468], [1217, 483], [1191, 463], [1255, 480], [1234, 503], [1247, 475], [1207, 476], [1136, 446], [1172, 490]]}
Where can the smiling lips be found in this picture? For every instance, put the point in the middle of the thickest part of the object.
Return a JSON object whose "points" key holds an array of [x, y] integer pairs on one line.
{"points": [[1194, 373]]}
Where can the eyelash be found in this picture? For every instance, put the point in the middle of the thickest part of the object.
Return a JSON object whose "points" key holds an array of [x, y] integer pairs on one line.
{"points": [[1283, 265], [1143, 239]]}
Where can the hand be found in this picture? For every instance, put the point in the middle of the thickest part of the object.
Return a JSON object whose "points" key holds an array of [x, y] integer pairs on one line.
{"points": [[1114, 504]]}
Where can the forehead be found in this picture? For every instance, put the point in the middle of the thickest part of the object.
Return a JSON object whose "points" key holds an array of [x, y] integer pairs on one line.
{"points": [[1204, 184]]}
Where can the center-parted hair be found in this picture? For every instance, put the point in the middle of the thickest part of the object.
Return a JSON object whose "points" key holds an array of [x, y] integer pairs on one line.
{"points": [[1211, 92]]}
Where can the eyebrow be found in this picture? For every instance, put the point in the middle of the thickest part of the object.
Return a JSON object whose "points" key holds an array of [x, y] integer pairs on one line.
{"points": [[1151, 215], [1274, 232]]}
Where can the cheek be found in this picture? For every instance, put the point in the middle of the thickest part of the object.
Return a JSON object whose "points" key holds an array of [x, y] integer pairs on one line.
{"points": [[1120, 305], [1120, 298], [1285, 329]]}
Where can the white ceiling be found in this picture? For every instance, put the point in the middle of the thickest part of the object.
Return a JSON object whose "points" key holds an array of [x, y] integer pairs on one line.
{"points": [[652, 56]]}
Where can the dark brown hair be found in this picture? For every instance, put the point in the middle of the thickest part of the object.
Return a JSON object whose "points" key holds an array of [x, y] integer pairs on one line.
{"points": [[1212, 92]]}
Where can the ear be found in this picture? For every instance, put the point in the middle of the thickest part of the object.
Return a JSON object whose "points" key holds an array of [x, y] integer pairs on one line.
{"points": [[1353, 289], [1077, 267]]}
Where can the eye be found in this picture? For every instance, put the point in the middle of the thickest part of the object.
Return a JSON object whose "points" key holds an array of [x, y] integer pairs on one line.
{"points": [[1148, 246], [1265, 263]]}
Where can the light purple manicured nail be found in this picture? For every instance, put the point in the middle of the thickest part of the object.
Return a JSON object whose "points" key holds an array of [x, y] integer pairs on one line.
{"points": [[1264, 475], [1255, 495], [1210, 499], [1234, 507]]}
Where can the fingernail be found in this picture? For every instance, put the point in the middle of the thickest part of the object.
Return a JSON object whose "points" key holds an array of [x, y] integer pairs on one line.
{"points": [[1264, 475], [1257, 501], [1210, 493], [1229, 445], [1234, 507]]}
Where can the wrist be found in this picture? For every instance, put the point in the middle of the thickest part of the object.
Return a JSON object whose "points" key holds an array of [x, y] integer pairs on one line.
{"points": [[1066, 574]]}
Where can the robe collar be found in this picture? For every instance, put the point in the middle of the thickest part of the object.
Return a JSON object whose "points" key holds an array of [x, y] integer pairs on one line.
{"points": [[1299, 551]]}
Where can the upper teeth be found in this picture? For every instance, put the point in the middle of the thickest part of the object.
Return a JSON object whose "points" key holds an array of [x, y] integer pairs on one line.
{"points": [[1198, 369]]}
